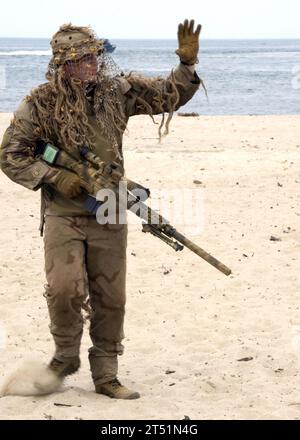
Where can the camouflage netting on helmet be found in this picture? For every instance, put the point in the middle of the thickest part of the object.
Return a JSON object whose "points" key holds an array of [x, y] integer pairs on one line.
{"points": [[72, 42], [61, 106]]}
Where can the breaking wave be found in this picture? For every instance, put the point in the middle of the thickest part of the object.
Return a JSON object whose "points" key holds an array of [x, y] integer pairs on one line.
{"points": [[32, 53]]}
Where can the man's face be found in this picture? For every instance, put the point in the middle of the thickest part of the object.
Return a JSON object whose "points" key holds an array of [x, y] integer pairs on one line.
{"points": [[84, 69]]}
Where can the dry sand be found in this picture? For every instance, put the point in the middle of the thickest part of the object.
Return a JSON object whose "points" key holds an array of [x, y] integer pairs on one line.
{"points": [[187, 325]]}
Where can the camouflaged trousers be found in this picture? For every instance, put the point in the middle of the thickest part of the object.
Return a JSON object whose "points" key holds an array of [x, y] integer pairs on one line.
{"points": [[83, 258]]}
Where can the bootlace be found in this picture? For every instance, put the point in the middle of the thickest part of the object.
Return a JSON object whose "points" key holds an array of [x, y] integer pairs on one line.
{"points": [[115, 383]]}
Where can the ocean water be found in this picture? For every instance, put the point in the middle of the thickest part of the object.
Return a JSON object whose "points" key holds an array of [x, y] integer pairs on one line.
{"points": [[242, 77]]}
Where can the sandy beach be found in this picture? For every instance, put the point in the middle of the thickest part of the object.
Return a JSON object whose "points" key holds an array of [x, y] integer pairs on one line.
{"points": [[198, 343]]}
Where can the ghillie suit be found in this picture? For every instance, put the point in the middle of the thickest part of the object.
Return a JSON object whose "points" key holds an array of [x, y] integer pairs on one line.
{"points": [[87, 101], [61, 106]]}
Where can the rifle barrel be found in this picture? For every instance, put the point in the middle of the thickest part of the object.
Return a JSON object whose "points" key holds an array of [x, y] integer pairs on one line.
{"points": [[202, 253], [146, 213]]}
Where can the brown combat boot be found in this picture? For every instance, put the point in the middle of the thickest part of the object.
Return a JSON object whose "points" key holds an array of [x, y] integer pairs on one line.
{"points": [[63, 368], [116, 390]]}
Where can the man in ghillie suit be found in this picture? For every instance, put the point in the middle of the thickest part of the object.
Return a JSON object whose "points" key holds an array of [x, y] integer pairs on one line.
{"points": [[87, 102]]}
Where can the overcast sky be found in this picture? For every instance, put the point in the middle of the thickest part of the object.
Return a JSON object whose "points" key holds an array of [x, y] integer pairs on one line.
{"points": [[153, 18]]}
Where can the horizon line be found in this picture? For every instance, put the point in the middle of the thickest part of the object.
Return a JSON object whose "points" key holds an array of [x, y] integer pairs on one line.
{"points": [[171, 39]]}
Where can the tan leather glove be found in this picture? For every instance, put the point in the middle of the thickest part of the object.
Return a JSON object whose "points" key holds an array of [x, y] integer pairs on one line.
{"points": [[67, 183], [188, 42]]}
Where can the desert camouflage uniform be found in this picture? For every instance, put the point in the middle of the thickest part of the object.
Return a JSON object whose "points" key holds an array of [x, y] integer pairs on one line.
{"points": [[82, 257]]}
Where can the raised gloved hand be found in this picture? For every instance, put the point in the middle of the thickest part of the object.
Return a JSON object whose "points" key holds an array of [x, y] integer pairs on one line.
{"points": [[67, 183], [188, 42]]}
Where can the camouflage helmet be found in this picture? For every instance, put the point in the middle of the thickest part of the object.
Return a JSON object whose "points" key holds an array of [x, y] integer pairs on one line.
{"points": [[73, 42]]}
